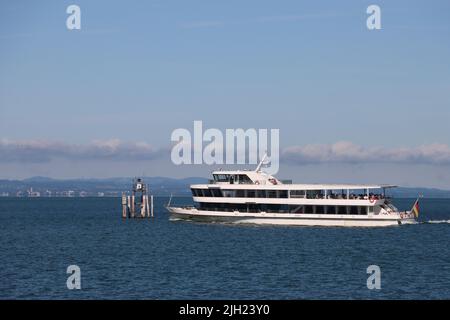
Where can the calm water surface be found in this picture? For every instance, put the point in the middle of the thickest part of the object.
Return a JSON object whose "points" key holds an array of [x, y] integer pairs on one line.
{"points": [[162, 259]]}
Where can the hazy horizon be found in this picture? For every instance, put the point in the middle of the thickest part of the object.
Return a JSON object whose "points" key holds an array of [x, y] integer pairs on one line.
{"points": [[352, 105]]}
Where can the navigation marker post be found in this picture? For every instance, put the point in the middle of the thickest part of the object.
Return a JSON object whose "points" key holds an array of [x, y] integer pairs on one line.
{"points": [[129, 204]]}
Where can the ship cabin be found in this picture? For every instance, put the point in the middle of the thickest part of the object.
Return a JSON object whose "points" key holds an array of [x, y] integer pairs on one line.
{"points": [[256, 191]]}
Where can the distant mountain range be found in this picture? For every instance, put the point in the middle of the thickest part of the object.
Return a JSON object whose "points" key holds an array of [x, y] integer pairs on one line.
{"points": [[162, 186], [43, 186]]}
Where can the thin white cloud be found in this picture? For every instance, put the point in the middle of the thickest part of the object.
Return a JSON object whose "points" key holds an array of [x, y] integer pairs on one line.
{"points": [[348, 152], [39, 151], [36, 151]]}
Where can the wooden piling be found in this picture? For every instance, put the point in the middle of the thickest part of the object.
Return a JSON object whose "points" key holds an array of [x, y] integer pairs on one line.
{"points": [[129, 206], [143, 206], [140, 209], [151, 203], [133, 204], [147, 206], [124, 206]]}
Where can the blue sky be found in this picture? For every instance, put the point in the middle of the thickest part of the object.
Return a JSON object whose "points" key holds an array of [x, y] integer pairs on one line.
{"points": [[137, 70]]}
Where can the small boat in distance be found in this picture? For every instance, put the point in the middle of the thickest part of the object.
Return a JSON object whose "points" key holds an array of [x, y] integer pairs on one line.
{"points": [[255, 197]]}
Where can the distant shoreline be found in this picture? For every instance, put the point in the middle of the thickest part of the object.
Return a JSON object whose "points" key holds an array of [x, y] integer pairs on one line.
{"points": [[159, 186]]}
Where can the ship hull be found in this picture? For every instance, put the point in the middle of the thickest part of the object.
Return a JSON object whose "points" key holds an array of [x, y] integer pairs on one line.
{"points": [[288, 219]]}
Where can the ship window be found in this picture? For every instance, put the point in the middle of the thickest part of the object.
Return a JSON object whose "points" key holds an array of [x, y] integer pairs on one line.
{"points": [[207, 193], [240, 193], [298, 193], [342, 210], [296, 209], [208, 206], [370, 209], [277, 208], [308, 209], [244, 179], [283, 194], [261, 193], [228, 193], [363, 210], [320, 209], [251, 193], [314, 194], [274, 208], [331, 210], [353, 210], [271, 194], [221, 177], [216, 192]]}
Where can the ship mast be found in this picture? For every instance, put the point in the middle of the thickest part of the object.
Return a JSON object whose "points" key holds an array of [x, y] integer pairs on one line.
{"points": [[258, 168]]}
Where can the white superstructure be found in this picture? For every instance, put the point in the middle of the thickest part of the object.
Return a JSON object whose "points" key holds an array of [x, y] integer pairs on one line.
{"points": [[258, 198]]}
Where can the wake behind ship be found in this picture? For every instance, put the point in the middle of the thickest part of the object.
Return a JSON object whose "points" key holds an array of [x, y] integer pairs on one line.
{"points": [[256, 197]]}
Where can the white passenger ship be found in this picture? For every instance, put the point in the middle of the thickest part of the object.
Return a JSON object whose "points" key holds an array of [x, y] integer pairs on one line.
{"points": [[256, 197]]}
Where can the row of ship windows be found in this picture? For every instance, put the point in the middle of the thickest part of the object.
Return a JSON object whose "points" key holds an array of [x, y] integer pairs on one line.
{"points": [[241, 193], [282, 208]]}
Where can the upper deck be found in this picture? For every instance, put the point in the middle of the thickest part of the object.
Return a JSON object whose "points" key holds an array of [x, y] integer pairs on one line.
{"points": [[260, 180]]}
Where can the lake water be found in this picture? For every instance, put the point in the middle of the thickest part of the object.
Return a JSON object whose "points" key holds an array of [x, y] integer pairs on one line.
{"points": [[162, 259]]}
